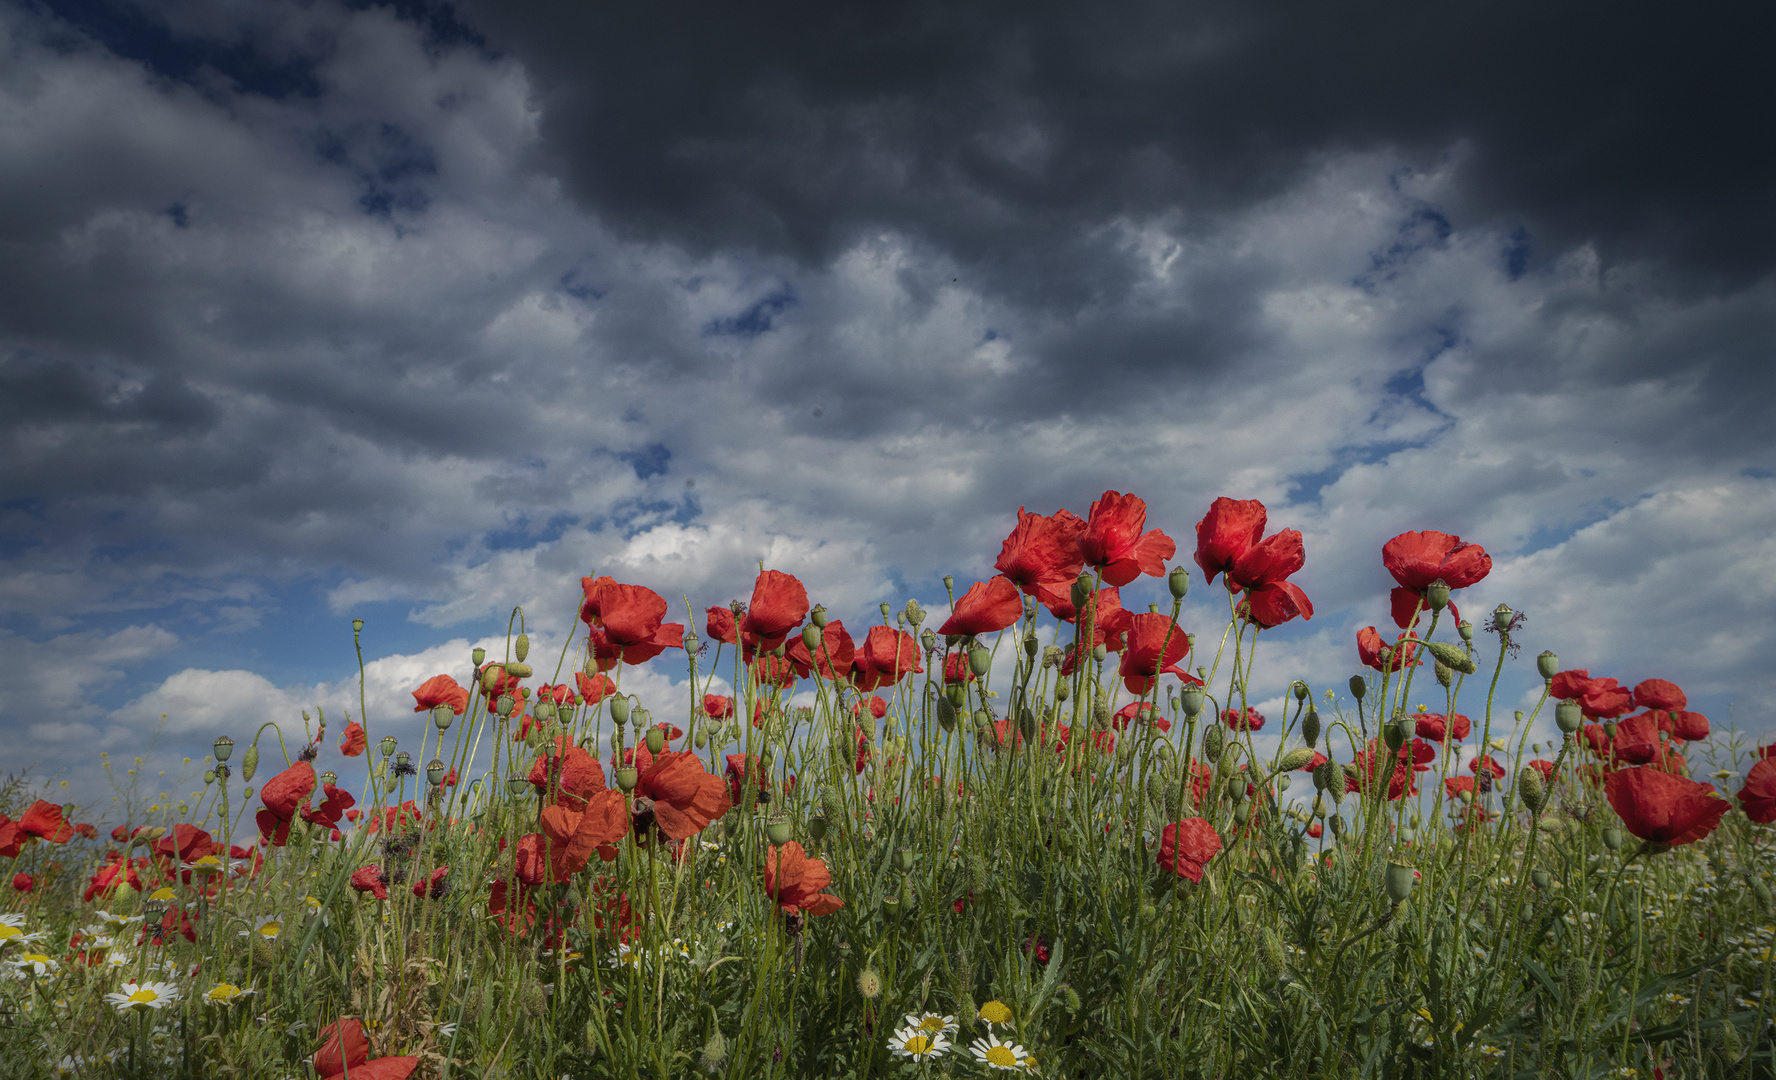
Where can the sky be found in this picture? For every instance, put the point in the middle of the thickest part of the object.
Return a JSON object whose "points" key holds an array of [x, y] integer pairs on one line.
{"points": [[313, 311]]}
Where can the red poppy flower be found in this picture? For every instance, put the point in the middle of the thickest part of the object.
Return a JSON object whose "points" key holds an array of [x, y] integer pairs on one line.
{"points": [[567, 775], [719, 625], [877, 705], [334, 804], [1416, 559], [863, 750], [794, 881], [440, 690], [1758, 797], [1492, 766], [592, 604], [575, 834], [956, 669], [1268, 561], [1660, 694], [1399, 767], [632, 630], [1114, 542], [1637, 739], [987, 607], [779, 604], [1409, 609], [44, 819], [773, 671], [1251, 720], [1002, 733], [283, 795], [594, 688], [1683, 726], [1455, 785], [1227, 531], [1437, 727], [886, 656], [433, 885], [1662, 808], [1155, 645], [344, 1049], [1185, 847], [1275, 603], [1546, 768], [836, 653], [738, 766], [372, 880], [1369, 646], [186, 843], [353, 741], [114, 871], [1139, 710], [680, 794], [1316, 830], [1314, 762], [22, 882], [1042, 552], [1600, 699], [717, 707]]}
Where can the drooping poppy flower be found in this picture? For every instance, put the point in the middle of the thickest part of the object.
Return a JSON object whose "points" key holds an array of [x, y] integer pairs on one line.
{"points": [[594, 688], [1042, 553], [344, 1049], [1115, 544], [1370, 644], [1275, 603], [185, 843], [1437, 727], [886, 656], [987, 607], [1492, 766], [719, 624], [793, 881], [1684, 726], [23, 882], [779, 604], [371, 879], [1758, 797], [575, 834], [1155, 645], [43, 819], [678, 796], [1316, 830], [632, 630], [12, 838], [283, 795], [334, 804], [1227, 531], [1250, 720], [1662, 808], [566, 775], [1139, 710], [1417, 559], [441, 690], [354, 740], [739, 765], [1185, 847], [1660, 694], [834, 655]]}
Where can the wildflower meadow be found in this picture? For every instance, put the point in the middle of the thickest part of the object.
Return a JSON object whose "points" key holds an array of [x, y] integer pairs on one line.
{"points": [[1039, 838]]}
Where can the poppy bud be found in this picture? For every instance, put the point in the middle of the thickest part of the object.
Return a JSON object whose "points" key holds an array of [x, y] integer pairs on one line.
{"points": [[1191, 697], [1456, 659], [869, 984], [1031, 645], [1501, 618], [656, 740], [1465, 629], [435, 771], [1547, 664], [1242, 813], [946, 713], [534, 998], [1444, 677], [1178, 581], [832, 805], [1437, 595], [778, 832], [817, 827], [1759, 889], [1026, 723], [980, 661], [1732, 1047], [891, 906], [209, 777], [490, 677], [1532, 788], [949, 583], [1310, 728], [1612, 838], [886, 610], [1212, 743], [914, 613], [1609, 728], [1542, 879], [1393, 735], [1099, 652], [1081, 592], [1063, 690], [1325, 776], [1568, 716], [619, 709], [544, 710], [478, 656], [1294, 759], [1336, 824], [928, 639], [983, 719], [250, 762], [818, 616], [1358, 687], [1397, 880], [517, 785], [222, 747], [627, 775], [521, 648]]}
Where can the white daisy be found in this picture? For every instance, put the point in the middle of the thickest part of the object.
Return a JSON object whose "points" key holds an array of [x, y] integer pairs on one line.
{"points": [[911, 1042], [267, 927], [147, 995], [995, 1054], [117, 958], [121, 922], [931, 1023], [34, 964], [225, 994]]}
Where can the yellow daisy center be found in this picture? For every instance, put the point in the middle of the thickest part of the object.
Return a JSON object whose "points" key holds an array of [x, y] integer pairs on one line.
{"points": [[143, 996], [995, 1012], [35, 958], [224, 992], [7, 933], [917, 1045], [931, 1023], [271, 929], [1002, 1057]]}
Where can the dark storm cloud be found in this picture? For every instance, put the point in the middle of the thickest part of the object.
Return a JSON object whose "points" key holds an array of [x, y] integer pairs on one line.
{"points": [[1006, 132]]}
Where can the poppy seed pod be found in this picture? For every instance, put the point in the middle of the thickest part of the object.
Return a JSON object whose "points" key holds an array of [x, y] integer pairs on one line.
{"points": [[435, 771], [516, 785], [1437, 595], [818, 616], [1031, 645], [442, 715], [1609, 728], [929, 639], [817, 827], [903, 859], [544, 710], [656, 740], [1358, 687], [887, 610], [505, 704], [1547, 664], [627, 775], [1568, 716], [1395, 733], [1501, 618], [619, 709], [1542, 879], [209, 777], [1465, 629], [222, 747], [357, 626], [811, 638], [1191, 697], [1178, 581], [1063, 690], [691, 642], [329, 777], [1310, 728], [1099, 652], [980, 661], [387, 745], [1397, 880], [521, 648], [1300, 690], [1242, 813], [478, 657], [778, 832], [1612, 838]]}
